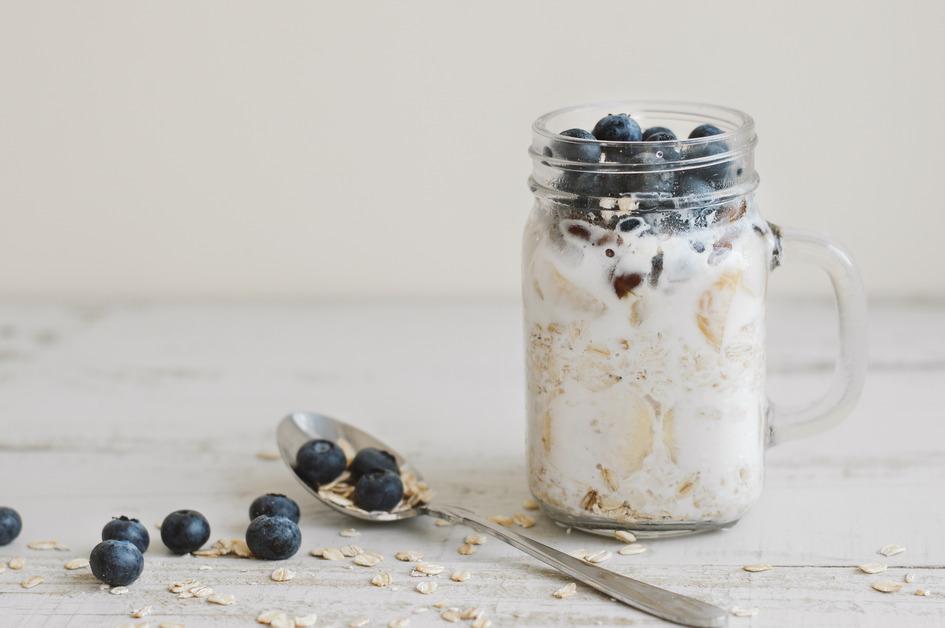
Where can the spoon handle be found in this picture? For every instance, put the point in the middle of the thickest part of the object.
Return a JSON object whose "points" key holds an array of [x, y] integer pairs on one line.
{"points": [[665, 604]]}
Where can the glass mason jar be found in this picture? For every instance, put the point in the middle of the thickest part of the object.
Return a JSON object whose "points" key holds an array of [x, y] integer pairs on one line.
{"points": [[645, 268]]}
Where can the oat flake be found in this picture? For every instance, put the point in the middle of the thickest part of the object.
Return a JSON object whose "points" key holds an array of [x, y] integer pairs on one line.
{"points": [[351, 551], [282, 574], [529, 504], [482, 622], [144, 611], [427, 569], [475, 539], [460, 576], [306, 620], [909, 578], [599, 557], [922, 592], [757, 568], [871, 567], [32, 581], [118, 590], [332, 553], [349, 532], [630, 550], [409, 557], [502, 520], [450, 615], [891, 550], [16, 563], [177, 587], [201, 591], [46, 545], [426, 587], [887, 586], [358, 622], [471, 613], [76, 563], [367, 559], [625, 537], [269, 617], [222, 600], [382, 579], [442, 523], [466, 549], [566, 591]]}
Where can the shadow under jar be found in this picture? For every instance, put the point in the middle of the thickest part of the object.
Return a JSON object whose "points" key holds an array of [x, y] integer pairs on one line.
{"points": [[645, 267]]}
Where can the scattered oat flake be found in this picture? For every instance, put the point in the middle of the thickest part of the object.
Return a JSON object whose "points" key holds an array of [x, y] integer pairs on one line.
{"points": [[440, 604], [887, 586], [31, 582], [871, 567], [922, 592], [268, 455], [450, 615], [580, 554], [482, 622], [367, 559], [598, 557], [427, 569], [460, 576], [358, 622], [471, 613], [222, 600], [566, 591], [349, 532], [177, 587], [502, 520], [266, 617], [401, 622], [205, 568], [138, 613], [475, 539], [757, 568], [170, 624], [891, 550], [466, 549], [737, 611], [624, 536], [46, 545], [306, 620], [909, 578], [523, 521], [282, 574], [332, 553], [118, 590], [426, 587], [630, 550], [529, 504], [382, 579], [409, 557], [442, 523], [201, 591], [16, 563], [351, 551], [76, 563]]}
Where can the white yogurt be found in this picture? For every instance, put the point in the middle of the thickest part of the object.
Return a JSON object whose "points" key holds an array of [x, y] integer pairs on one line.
{"points": [[646, 399]]}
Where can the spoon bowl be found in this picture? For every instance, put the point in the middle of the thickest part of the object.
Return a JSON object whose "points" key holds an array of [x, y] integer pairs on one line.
{"points": [[300, 427]]}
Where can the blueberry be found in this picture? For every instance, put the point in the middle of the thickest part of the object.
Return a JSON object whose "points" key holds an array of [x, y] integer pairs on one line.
{"points": [[617, 127], [651, 178], [371, 459], [705, 130], [630, 224], [378, 490], [273, 538], [577, 151], [116, 563], [185, 531], [124, 529], [10, 525], [274, 505], [658, 134], [583, 184], [690, 185], [319, 462], [717, 174]]}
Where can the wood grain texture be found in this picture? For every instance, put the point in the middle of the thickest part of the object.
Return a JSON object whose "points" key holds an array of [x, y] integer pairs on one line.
{"points": [[142, 410]]}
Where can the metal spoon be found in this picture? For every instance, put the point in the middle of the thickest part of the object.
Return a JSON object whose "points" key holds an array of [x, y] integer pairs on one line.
{"points": [[300, 427]]}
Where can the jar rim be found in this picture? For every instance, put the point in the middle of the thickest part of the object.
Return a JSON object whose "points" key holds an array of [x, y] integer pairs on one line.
{"points": [[737, 126]]}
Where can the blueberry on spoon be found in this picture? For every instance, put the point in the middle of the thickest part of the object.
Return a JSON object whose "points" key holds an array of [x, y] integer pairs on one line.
{"points": [[378, 490], [371, 459], [320, 461]]}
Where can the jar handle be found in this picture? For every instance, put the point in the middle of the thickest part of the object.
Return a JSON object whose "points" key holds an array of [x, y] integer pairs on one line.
{"points": [[850, 367]]}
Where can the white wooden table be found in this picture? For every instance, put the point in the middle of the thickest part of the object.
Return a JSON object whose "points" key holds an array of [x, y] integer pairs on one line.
{"points": [[141, 410]]}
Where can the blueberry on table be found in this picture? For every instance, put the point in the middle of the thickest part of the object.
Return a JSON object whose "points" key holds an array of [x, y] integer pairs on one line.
{"points": [[372, 459], [319, 462], [658, 134], [705, 130], [273, 538], [185, 531], [10, 525], [124, 529], [577, 151], [274, 505], [617, 127], [378, 490], [116, 563]]}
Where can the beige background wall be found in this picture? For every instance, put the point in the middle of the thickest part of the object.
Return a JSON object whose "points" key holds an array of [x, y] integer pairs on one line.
{"points": [[198, 149]]}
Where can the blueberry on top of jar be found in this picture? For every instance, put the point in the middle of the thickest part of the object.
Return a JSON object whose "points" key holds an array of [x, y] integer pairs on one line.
{"points": [[658, 134], [577, 151], [617, 127], [705, 130]]}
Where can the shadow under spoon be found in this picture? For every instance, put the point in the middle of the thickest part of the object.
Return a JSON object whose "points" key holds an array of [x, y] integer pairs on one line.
{"points": [[300, 427]]}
